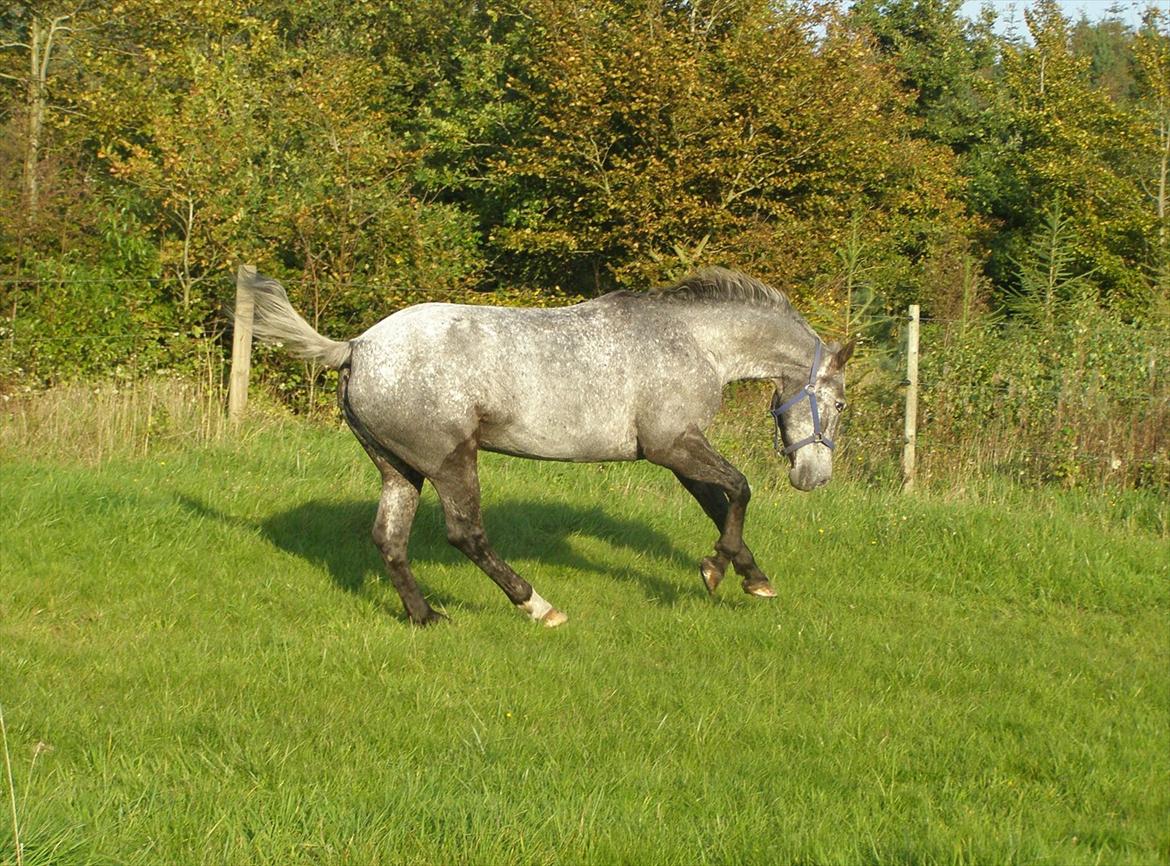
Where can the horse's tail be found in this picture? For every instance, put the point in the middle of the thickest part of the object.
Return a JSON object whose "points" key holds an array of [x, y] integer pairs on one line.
{"points": [[275, 321]]}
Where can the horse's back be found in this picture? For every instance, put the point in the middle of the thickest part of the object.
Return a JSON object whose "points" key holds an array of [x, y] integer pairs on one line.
{"points": [[566, 383]]}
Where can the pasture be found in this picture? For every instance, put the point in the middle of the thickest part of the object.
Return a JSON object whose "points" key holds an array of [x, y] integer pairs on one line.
{"points": [[201, 663]]}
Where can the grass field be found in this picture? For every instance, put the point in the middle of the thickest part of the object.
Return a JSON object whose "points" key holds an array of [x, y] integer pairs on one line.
{"points": [[200, 663]]}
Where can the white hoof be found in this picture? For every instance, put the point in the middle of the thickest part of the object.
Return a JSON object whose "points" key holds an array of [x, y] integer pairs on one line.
{"points": [[554, 618], [543, 612]]}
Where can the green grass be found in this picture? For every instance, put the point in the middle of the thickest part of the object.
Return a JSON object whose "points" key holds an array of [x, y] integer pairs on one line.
{"points": [[201, 652]]}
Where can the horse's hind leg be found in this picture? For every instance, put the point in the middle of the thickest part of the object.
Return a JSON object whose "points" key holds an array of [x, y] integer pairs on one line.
{"points": [[401, 485], [723, 492], [391, 533], [457, 484]]}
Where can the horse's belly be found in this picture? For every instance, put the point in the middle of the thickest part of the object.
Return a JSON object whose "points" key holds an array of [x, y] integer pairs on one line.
{"points": [[574, 439]]}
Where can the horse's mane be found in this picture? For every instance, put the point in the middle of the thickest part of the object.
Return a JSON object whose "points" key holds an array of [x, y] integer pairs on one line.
{"points": [[721, 284]]}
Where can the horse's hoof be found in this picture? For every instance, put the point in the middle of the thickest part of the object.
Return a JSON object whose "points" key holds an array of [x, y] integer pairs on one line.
{"points": [[539, 610], [554, 618], [429, 618], [712, 573], [759, 587]]}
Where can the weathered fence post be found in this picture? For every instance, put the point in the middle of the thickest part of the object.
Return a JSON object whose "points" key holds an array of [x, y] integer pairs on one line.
{"points": [[910, 430], [241, 345]]}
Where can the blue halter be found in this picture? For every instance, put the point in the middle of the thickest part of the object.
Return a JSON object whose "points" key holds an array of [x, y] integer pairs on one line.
{"points": [[805, 392]]}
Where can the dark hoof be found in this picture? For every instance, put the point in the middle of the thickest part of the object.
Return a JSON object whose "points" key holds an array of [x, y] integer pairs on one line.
{"points": [[711, 570], [429, 618], [759, 587]]}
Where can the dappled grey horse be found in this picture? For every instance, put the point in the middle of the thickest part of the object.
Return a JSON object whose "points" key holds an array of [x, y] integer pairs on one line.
{"points": [[627, 376]]}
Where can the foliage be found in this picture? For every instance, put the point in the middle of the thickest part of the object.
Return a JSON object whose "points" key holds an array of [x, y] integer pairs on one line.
{"points": [[1053, 116], [1151, 110], [1064, 390], [860, 158], [655, 138], [1061, 137], [940, 58], [1049, 287]]}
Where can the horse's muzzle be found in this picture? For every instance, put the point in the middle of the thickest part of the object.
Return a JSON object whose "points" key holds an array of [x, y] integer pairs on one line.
{"points": [[804, 477]]}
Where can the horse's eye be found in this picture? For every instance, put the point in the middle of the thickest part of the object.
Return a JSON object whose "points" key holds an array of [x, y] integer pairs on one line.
{"points": [[840, 406]]}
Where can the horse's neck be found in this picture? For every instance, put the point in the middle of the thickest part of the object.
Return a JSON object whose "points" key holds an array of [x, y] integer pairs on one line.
{"points": [[751, 342]]}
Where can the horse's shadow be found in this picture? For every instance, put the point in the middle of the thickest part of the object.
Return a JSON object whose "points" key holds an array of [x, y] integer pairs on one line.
{"points": [[534, 536]]}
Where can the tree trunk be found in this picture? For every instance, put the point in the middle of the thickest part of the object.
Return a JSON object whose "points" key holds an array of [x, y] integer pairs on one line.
{"points": [[40, 53], [1163, 260], [36, 120], [1165, 136]]}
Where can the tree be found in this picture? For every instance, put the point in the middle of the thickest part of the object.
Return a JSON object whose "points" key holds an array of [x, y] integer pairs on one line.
{"points": [[1051, 133], [196, 163], [939, 57], [273, 138], [40, 42], [1152, 110], [1048, 277], [650, 134], [1108, 45]]}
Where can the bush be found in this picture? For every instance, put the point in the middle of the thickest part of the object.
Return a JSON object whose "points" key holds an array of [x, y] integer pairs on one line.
{"points": [[1084, 402]]}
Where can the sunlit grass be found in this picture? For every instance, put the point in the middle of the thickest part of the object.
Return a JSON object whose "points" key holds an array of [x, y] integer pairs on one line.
{"points": [[201, 651]]}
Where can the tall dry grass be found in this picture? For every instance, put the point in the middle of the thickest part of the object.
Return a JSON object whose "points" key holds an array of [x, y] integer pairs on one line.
{"points": [[92, 422]]}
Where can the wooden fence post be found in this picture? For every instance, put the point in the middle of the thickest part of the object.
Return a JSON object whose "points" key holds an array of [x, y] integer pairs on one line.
{"points": [[910, 430], [241, 345]]}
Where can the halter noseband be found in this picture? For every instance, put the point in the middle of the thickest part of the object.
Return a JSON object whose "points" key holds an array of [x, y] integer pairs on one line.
{"points": [[806, 391]]}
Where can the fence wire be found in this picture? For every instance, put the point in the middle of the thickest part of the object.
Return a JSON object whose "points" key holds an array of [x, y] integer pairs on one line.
{"points": [[139, 347]]}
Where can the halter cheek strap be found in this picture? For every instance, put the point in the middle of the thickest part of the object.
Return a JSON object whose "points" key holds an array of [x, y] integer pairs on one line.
{"points": [[806, 392]]}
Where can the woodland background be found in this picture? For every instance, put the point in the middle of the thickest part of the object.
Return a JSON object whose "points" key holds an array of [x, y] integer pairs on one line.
{"points": [[859, 156]]}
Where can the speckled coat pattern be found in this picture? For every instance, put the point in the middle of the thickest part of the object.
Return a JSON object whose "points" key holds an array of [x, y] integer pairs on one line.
{"points": [[623, 377]]}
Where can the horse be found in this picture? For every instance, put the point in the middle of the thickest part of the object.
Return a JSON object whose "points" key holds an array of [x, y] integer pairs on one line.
{"points": [[625, 376]]}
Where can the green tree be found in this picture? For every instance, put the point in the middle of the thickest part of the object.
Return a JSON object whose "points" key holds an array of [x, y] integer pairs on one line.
{"points": [[1052, 134], [194, 164], [1108, 45], [1151, 110], [940, 58], [1049, 283], [37, 67], [37, 38], [651, 136]]}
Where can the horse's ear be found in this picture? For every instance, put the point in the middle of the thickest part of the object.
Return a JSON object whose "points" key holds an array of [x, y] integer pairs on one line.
{"points": [[842, 355]]}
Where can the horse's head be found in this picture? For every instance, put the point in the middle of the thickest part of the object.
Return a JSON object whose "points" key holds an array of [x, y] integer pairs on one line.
{"points": [[807, 414]]}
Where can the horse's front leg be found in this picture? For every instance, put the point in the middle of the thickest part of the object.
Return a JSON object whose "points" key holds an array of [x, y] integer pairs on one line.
{"points": [[724, 493], [714, 502]]}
